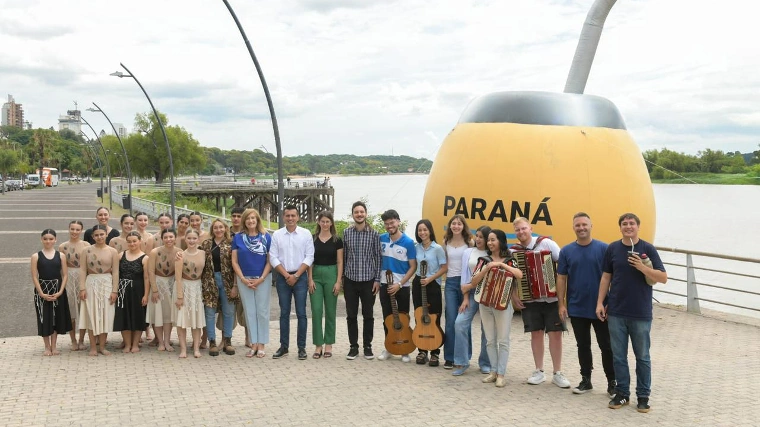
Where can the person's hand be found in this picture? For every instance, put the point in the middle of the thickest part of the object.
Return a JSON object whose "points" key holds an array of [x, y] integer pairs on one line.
{"points": [[601, 312], [517, 303], [82, 295], [395, 287], [562, 312], [234, 292], [144, 301], [112, 298], [155, 297], [635, 262], [375, 288], [312, 287], [424, 281], [336, 288], [464, 305], [180, 302], [179, 255], [291, 280]]}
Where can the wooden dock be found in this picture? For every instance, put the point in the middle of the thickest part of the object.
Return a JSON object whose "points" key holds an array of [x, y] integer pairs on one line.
{"points": [[310, 197]]}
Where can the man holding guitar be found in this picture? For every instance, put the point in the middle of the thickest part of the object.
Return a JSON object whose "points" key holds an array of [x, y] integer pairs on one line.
{"points": [[426, 294], [399, 256]]}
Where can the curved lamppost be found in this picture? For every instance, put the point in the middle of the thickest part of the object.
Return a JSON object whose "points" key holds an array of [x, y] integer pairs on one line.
{"points": [[117, 156], [108, 165], [97, 158], [280, 185], [97, 109], [129, 74]]}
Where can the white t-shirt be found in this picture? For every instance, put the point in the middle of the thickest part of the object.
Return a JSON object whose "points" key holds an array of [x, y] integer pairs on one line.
{"points": [[455, 260]]}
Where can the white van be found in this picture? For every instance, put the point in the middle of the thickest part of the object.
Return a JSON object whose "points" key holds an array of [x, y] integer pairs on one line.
{"points": [[32, 180]]}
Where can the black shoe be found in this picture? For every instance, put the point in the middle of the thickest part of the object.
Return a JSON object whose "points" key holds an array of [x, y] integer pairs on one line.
{"points": [[422, 358], [584, 387], [618, 402], [368, 353], [281, 352], [448, 364], [642, 405], [301, 354], [352, 353], [611, 388], [433, 361]]}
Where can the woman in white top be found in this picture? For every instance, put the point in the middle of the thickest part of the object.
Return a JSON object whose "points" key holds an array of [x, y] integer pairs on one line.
{"points": [[456, 241]]}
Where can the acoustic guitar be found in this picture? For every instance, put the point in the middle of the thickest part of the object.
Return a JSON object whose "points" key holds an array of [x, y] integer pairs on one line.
{"points": [[427, 334], [398, 341]]}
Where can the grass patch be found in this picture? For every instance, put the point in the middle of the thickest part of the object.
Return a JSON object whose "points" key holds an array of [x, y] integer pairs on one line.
{"points": [[711, 178]]}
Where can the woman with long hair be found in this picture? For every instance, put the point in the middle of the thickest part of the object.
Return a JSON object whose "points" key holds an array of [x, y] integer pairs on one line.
{"points": [[103, 215], [456, 241], [49, 274], [183, 223], [219, 290], [429, 251], [146, 239], [188, 299], [250, 261], [196, 223], [72, 251], [134, 288], [497, 323], [98, 287], [468, 308], [161, 275], [324, 283]]}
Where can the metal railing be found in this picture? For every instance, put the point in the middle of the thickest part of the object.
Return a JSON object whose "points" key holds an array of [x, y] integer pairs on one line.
{"points": [[154, 209], [692, 295]]}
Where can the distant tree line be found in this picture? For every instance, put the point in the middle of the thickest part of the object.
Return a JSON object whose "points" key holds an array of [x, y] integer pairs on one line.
{"points": [[705, 161]]}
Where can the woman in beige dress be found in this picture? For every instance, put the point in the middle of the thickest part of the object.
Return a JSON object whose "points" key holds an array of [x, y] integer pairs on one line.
{"points": [[189, 296], [127, 224], [98, 287], [72, 252], [161, 276]]}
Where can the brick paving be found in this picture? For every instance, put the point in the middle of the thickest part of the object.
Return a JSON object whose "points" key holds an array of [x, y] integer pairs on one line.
{"points": [[704, 371]]}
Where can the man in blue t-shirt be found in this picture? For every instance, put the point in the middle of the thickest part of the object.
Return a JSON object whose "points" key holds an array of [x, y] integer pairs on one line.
{"points": [[400, 257], [578, 276], [629, 266]]}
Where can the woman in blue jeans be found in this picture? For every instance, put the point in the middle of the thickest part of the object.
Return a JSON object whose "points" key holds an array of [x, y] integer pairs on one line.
{"points": [[467, 310], [250, 261], [218, 282], [456, 241]]}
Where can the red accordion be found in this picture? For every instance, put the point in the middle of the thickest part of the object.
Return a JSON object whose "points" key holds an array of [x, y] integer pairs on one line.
{"points": [[539, 275], [494, 289]]}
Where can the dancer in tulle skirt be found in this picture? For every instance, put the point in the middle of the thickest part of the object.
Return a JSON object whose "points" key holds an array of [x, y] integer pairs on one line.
{"points": [[72, 251], [49, 275], [189, 296], [161, 275]]}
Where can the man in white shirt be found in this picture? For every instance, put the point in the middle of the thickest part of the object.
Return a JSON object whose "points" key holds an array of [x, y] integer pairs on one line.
{"points": [[291, 254]]}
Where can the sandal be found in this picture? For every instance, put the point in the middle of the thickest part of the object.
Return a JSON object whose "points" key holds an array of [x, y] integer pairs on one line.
{"points": [[316, 355], [433, 361], [422, 358], [250, 353], [261, 354], [328, 354]]}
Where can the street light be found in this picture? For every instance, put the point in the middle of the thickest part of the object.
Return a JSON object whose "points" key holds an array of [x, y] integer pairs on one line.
{"points": [[108, 165], [280, 185], [97, 109], [120, 75], [100, 163], [117, 156]]}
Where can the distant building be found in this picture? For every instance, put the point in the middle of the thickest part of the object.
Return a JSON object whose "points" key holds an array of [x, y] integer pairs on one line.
{"points": [[12, 114], [121, 130], [72, 121]]}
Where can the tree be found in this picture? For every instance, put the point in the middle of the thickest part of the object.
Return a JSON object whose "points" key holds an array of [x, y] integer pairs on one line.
{"points": [[8, 160], [147, 150]]}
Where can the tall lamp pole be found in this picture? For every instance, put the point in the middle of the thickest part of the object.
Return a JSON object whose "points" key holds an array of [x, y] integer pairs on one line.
{"points": [[119, 74], [100, 163], [280, 185], [108, 164], [123, 150]]}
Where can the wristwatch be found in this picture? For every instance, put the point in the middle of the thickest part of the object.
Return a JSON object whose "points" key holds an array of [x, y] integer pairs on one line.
{"points": [[296, 276]]}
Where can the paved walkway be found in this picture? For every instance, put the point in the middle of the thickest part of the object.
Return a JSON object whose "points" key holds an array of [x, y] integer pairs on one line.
{"points": [[705, 371]]}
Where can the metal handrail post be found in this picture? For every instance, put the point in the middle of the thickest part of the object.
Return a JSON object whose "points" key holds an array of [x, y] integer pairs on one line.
{"points": [[692, 296]]}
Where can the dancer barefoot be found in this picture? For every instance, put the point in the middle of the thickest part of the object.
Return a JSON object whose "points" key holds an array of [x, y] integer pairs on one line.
{"points": [[49, 275], [133, 293], [161, 276], [99, 279], [189, 299], [72, 251]]}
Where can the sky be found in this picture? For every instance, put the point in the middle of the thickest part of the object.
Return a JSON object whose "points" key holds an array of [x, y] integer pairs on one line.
{"points": [[361, 77]]}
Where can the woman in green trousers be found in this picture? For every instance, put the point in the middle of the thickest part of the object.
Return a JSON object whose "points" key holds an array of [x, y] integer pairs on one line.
{"points": [[324, 283]]}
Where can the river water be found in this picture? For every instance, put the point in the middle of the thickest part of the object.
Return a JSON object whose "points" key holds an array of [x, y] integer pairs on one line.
{"points": [[717, 219]]}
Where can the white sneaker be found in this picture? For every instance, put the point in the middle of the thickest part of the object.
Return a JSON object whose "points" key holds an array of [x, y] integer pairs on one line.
{"points": [[384, 355], [560, 381], [405, 358], [537, 377]]}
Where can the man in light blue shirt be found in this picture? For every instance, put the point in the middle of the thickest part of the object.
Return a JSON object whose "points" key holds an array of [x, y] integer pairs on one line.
{"points": [[291, 255]]}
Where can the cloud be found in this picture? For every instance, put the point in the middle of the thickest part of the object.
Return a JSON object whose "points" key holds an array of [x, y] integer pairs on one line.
{"points": [[39, 33]]}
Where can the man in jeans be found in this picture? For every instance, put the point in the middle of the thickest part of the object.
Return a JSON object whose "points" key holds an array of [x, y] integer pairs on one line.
{"points": [[630, 267], [361, 278], [578, 276], [291, 255]]}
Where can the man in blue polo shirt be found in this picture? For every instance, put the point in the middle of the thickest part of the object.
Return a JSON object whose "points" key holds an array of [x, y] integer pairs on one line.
{"points": [[578, 276], [400, 257], [631, 266]]}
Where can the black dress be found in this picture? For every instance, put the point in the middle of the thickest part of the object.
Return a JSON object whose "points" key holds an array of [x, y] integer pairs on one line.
{"points": [[130, 313], [52, 316]]}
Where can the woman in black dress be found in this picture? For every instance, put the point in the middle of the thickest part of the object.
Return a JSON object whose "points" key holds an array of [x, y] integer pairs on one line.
{"points": [[133, 293], [49, 275]]}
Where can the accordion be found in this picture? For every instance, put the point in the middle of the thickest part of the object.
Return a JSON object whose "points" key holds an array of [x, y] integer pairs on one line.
{"points": [[539, 275], [494, 289]]}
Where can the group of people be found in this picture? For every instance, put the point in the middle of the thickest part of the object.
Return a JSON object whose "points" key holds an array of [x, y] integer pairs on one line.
{"points": [[132, 281]]}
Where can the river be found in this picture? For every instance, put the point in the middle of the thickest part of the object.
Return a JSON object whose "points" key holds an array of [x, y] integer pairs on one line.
{"points": [[710, 218]]}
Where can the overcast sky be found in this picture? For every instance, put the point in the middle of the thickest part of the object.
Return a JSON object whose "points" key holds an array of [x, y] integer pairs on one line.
{"points": [[364, 77]]}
